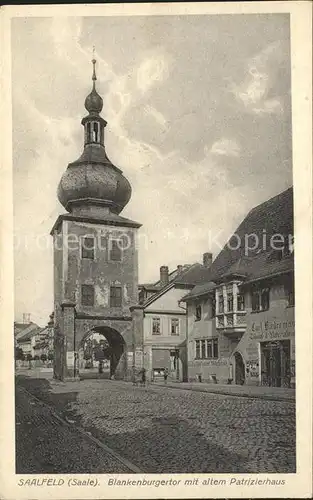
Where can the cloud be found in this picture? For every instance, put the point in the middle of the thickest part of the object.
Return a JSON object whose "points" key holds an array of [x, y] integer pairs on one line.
{"points": [[225, 147], [152, 69], [253, 90]]}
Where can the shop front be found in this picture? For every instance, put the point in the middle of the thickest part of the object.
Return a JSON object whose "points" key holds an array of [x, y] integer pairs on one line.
{"points": [[268, 350]]}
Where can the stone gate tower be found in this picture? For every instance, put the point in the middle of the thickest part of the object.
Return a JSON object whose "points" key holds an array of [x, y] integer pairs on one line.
{"points": [[95, 254]]}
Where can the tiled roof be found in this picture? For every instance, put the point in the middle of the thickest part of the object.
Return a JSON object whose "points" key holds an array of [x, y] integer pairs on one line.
{"points": [[275, 216], [271, 217], [29, 332], [193, 274], [200, 290]]}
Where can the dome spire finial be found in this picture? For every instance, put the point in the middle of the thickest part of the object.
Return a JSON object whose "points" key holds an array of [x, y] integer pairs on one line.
{"points": [[93, 102], [94, 60]]}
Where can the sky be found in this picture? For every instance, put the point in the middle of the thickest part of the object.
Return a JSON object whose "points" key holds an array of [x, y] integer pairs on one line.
{"points": [[199, 121]]}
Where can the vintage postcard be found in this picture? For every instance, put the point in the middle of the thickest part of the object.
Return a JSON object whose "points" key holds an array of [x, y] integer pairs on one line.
{"points": [[156, 251]]}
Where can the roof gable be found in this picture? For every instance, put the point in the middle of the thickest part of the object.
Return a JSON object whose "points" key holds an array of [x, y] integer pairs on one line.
{"points": [[271, 217]]}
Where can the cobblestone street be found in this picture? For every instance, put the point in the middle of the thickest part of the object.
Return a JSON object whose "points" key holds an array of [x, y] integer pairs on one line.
{"points": [[160, 429]]}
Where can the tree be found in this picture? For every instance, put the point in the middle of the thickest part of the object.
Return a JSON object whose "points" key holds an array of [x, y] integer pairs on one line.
{"points": [[19, 355], [29, 358], [36, 357], [50, 356], [102, 351], [43, 357]]}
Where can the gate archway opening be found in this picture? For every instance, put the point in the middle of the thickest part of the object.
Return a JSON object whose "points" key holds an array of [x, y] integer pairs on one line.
{"points": [[100, 352]]}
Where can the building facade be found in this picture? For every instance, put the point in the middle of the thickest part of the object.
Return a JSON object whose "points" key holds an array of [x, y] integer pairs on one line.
{"points": [[161, 319], [241, 323], [95, 254]]}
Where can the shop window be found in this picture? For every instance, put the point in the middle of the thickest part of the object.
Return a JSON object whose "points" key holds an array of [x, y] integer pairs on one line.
{"points": [[88, 248], [221, 304], [87, 295], [230, 302], [115, 296], [115, 251], [156, 326], [240, 302], [174, 326], [198, 312], [290, 292]]}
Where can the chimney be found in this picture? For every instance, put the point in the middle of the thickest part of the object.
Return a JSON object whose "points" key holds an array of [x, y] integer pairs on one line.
{"points": [[26, 318], [179, 268], [207, 259], [164, 275]]}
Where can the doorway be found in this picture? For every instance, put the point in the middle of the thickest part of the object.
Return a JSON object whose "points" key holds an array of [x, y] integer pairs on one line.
{"points": [[174, 364], [275, 363], [239, 369]]}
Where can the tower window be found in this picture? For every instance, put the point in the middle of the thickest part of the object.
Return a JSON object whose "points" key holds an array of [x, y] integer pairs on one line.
{"points": [[88, 248], [95, 132], [88, 132], [115, 251], [87, 295], [115, 296]]}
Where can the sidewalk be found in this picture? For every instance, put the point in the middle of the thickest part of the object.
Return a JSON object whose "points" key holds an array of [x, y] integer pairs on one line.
{"points": [[248, 391]]}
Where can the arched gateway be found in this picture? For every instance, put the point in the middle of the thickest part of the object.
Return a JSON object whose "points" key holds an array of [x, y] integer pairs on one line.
{"points": [[95, 254]]}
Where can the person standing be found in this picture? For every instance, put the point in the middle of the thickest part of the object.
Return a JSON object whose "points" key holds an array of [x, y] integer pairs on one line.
{"points": [[165, 375], [143, 376]]}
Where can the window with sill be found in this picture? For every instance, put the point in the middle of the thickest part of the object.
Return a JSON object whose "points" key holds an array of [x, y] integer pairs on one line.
{"points": [[174, 326], [213, 308], [260, 300], [156, 326], [115, 251], [198, 312], [87, 295], [115, 296], [206, 348], [220, 303], [88, 247], [230, 302], [240, 302]]}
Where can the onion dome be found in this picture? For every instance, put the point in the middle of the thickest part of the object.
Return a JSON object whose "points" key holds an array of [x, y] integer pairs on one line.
{"points": [[93, 102], [92, 184]]}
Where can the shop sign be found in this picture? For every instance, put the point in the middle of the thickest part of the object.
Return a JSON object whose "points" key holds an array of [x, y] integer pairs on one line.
{"points": [[272, 329], [217, 362]]}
